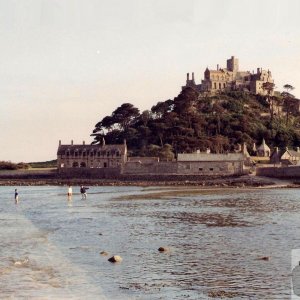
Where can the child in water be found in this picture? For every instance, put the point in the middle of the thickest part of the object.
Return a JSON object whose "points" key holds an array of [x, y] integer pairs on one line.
{"points": [[70, 191], [16, 196]]}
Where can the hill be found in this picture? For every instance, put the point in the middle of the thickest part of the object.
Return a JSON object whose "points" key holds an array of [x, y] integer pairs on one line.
{"points": [[44, 164], [192, 121]]}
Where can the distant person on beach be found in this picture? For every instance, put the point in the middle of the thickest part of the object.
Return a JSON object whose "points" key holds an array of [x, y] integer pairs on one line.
{"points": [[70, 192], [83, 192], [16, 196]]}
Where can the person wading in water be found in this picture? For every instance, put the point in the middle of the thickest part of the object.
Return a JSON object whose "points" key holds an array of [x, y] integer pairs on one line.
{"points": [[83, 192]]}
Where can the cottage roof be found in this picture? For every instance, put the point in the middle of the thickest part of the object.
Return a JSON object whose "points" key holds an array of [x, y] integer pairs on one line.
{"points": [[63, 148], [292, 153], [263, 146], [210, 157]]}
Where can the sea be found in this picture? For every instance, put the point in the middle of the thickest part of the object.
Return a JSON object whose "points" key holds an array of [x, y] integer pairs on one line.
{"points": [[221, 243]]}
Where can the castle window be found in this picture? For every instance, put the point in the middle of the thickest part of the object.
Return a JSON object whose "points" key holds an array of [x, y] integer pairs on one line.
{"points": [[220, 85], [82, 165], [107, 153], [224, 85], [75, 164], [215, 85], [211, 169], [98, 154], [105, 165], [200, 169], [83, 153]]}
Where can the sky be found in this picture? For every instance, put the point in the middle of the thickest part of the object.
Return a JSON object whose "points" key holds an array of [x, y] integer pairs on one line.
{"points": [[64, 65]]}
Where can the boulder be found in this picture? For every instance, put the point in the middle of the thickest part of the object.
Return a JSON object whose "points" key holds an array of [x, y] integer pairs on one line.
{"points": [[265, 258], [163, 249], [115, 258]]}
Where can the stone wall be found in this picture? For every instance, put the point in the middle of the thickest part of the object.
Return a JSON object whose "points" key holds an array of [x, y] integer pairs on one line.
{"points": [[210, 168], [203, 168], [277, 172], [167, 167], [89, 172]]}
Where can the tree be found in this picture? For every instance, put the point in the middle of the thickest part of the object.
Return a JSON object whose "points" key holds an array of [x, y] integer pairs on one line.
{"points": [[288, 100], [125, 115], [269, 87], [120, 120]]}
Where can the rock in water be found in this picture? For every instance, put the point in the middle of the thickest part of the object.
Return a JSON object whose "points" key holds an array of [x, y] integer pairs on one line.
{"points": [[115, 258], [104, 253], [163, 249]]}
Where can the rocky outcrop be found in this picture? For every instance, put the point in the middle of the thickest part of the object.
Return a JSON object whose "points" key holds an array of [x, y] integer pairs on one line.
{"points": [[115, 259]]}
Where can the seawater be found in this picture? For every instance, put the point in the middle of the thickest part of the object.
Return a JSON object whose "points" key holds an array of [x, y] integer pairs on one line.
{"points": [[50, 246]]}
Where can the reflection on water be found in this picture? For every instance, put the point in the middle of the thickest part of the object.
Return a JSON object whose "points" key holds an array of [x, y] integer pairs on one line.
{"points": [[51, 245]]}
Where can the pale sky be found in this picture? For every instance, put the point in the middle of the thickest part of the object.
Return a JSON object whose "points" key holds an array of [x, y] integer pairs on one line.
{"points": [[65, 64]]}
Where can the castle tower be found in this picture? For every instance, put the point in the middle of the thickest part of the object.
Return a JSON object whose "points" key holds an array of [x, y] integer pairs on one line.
{"points": [[233, 64]]}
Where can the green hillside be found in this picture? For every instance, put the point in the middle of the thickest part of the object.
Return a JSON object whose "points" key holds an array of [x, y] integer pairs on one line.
{"points": [[190, 122], [44, 164]]}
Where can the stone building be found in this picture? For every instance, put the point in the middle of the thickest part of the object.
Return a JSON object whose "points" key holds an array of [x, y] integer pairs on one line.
{"points": [[231, 78], [211, 164], [286, 156], [100, 161], [91, 156]]}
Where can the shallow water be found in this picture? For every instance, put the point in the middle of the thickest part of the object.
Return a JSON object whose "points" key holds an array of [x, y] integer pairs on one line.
{"points": [[50, 247]]}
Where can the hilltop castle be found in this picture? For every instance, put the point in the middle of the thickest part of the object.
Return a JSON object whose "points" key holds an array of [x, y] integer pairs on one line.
{"points": [[231, 78]]}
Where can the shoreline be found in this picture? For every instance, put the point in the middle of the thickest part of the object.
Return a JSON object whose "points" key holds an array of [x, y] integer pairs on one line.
{"points": [[245, 181]]}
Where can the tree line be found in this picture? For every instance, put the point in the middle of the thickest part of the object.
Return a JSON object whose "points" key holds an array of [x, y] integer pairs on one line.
{"points": [[193, 121]]}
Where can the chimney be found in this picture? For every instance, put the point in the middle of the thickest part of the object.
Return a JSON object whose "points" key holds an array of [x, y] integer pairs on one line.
{"points": [[187, 76], [59, 143], [71, 142], [83, 143], [193, 76], [258, 70], [217, 67]]}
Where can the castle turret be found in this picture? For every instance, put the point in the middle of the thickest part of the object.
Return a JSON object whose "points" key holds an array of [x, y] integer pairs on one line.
{"points": [[233, 64]]}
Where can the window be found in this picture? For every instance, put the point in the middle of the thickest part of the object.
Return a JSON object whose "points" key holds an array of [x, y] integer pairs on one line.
{"points": [[200, 169], [215, 85], [75, 164], [82, 165], [211, 169], [220, 85], [105, 165]]}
